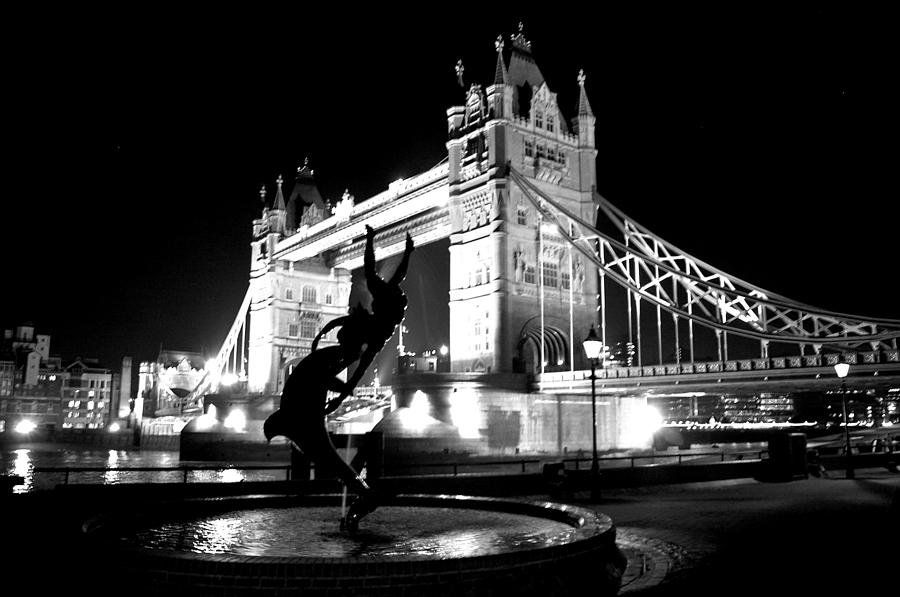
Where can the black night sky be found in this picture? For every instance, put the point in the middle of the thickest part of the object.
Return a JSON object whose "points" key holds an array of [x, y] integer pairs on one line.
{"points": [[764, 142]]}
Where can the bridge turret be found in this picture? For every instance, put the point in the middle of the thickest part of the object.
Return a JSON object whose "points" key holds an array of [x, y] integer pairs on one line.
{"points": [[290, 300], [501, 94], [585, 121], [277, 212], [513, 288]]}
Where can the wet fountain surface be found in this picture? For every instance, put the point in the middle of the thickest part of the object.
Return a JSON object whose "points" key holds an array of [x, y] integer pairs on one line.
{"points": [[391, 531], [412, 544]]}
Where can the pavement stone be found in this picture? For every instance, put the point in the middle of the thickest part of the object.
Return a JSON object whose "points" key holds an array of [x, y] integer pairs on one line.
{"points": [[828, 536]]}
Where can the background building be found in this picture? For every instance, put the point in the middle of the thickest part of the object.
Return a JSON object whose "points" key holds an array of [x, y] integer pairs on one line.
{"points": [[47, 394]]}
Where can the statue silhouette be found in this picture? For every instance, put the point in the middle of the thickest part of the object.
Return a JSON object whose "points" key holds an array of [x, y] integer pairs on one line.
{"points": [[388, 306], [303, 408]]}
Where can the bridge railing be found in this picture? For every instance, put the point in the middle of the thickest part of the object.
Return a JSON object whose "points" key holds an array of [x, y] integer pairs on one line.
{"points": [[734, 365], [188, 473]]}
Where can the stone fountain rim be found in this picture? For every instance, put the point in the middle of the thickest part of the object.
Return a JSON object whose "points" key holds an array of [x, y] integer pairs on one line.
{"points": [[591, 528]]}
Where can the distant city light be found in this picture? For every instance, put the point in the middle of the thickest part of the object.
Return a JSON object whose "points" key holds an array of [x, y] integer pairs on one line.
{"points": [[25, 427], [207, 421], [229, 379], [444, 350], [231, 475], [236, 420], [465, 413], [639, 425], [114, 428]]}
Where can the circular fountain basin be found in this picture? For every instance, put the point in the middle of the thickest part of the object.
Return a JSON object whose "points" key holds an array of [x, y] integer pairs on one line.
{"points": [[413, 544]]}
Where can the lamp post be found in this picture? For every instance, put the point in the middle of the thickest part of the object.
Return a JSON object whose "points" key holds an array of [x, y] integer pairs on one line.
{"points": [[593, 347], [842, 369]]}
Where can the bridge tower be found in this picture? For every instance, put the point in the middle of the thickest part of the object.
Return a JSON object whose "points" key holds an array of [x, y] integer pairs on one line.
{"points": [[290, 301], [518, 294]]}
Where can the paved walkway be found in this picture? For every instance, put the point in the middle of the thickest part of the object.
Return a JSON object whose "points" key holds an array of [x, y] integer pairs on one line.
{"points": [[830, 536]]}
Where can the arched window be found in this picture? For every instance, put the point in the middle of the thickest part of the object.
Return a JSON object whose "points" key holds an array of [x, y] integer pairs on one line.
{"points": [[309, 294]]}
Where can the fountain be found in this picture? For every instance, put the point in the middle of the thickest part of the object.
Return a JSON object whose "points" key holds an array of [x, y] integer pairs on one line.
{"points": [[385, 544], [412, 545]]}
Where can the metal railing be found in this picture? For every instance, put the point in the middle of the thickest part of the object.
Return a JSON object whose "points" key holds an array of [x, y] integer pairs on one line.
{"points": [[452, 467], [184, 469], [666, 458]]}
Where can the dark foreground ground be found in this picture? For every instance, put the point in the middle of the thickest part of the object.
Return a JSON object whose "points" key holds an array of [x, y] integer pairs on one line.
{"points": [[821, 536]]}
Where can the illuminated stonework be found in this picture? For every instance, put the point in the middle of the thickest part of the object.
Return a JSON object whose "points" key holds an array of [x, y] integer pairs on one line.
{"points": [[290, 301], [509, 275]]}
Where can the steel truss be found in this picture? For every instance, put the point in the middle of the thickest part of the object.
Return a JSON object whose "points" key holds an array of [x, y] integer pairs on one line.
{"points": [[654, 270]]}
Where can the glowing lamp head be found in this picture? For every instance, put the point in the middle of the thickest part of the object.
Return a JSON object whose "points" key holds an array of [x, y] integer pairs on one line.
{"points": [[229, 379], [25, 427], [444, 350], [592, 345], [842, 369]]}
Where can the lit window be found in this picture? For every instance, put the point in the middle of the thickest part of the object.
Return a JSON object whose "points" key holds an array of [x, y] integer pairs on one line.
{"points": [[90, 405], [91, 394], [71, 403], [529, 274], [550, 273], [309, 324]]}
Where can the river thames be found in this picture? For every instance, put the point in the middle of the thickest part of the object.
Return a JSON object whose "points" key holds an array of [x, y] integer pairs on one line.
{"points": [[24, 459]]}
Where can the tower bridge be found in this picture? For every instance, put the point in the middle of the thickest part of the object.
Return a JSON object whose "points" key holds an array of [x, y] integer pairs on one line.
{"points": [[530, 271]]}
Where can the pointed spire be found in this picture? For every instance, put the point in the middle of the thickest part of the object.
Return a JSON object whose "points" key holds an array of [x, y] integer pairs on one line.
{"points": [[460, 69], [584, 106], [500, 75], [279, 197]]}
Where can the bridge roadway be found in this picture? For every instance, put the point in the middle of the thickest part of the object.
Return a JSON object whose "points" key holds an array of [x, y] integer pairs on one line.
{"points": [[878, 370], [419, 205]]}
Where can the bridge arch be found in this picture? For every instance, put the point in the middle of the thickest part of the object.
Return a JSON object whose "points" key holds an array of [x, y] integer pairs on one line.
{"points": [[528, 348]]}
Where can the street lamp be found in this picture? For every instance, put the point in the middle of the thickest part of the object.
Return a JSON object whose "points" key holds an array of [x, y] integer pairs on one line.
{"points": [[592, 348], [842, 369]]}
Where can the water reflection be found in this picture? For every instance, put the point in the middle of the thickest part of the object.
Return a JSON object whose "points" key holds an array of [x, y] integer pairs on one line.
{"points": [[111, 476], [23, 467], [217, 536], [430, 533], [114, 463]]}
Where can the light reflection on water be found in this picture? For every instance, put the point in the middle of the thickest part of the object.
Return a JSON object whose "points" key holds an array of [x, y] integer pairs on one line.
{"points": [[391, 531], [23, 461], [23, 467]]}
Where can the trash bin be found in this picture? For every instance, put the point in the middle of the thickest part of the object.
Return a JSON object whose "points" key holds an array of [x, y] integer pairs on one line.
{"points": [[787, 457]]}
